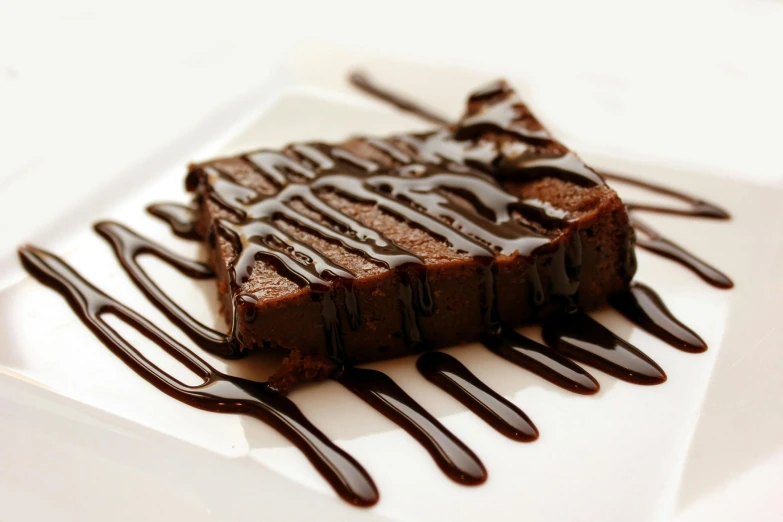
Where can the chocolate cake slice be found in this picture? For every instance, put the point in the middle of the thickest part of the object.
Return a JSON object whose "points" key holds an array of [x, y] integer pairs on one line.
{"points": [[376, 248]]}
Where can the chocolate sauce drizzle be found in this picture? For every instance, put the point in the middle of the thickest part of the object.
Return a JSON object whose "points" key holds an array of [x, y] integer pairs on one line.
{"points": [[541, 360], [580, 337], [128, 246], [654, 242], [452, 456], [361, 81], [451, 376], [181, 218], [643, 307], [218, 392], [428, 169], [502, 114], [696, 207]]}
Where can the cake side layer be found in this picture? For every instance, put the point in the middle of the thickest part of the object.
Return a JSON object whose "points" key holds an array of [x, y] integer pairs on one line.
{"points": [[296, 322]]}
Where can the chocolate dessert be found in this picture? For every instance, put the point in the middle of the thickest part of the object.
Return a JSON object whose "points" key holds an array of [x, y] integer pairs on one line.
{"points": [[376, 248]]}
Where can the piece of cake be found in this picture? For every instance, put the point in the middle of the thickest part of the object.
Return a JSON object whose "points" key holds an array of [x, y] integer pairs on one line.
{"points": [[376, 248]]}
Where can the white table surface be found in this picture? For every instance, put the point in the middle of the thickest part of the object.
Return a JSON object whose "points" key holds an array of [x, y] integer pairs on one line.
{"points": [[88, 89]]}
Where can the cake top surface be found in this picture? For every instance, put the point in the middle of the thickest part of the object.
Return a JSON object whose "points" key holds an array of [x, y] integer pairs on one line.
{"points": [[455, 184]]}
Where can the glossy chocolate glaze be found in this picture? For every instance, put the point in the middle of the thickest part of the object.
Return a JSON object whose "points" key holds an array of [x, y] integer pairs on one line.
{"points": [[655, 242], [580, 337], [227, 394], [501, 115], [218, 392], [696, 207], [452, 456], [181, 218], [361, 81], [128, 246], [541, 360], [451, 376], [642, 306]]}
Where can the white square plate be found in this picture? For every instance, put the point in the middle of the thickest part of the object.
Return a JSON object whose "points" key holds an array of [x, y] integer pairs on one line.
{"points": [[82, 437]]}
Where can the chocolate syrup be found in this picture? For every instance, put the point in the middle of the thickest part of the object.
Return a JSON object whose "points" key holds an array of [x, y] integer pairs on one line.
{"points": [[655, 242], [181, 218], [643, 307], [696, 207], [451, 455], [429, 167], [218, 392], [580, 337], [227, 394], [452, 377], [503, 114], [128, 245], [541, 360], [362, 82]]}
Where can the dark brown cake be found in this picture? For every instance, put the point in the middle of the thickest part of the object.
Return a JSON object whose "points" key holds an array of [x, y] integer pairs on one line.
{"points": [[373, 249]]}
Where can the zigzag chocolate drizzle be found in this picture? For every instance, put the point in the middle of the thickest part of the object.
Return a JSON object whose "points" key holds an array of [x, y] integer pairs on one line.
{"points": [[419, 194], [218, 392]]}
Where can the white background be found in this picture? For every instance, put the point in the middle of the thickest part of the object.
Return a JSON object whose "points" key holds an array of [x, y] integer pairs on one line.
{"points": [[89, 89], [92, 84]]}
